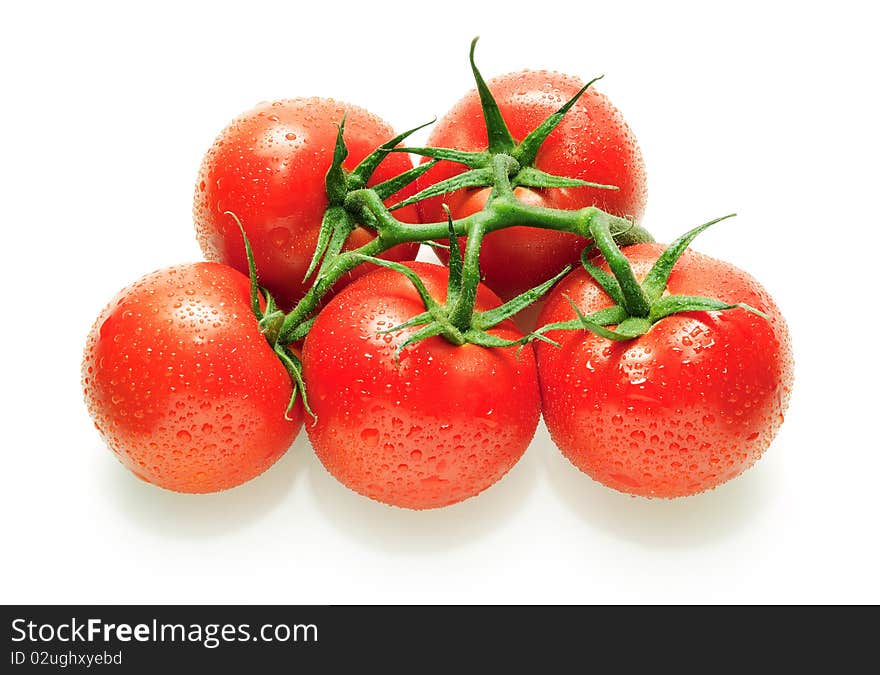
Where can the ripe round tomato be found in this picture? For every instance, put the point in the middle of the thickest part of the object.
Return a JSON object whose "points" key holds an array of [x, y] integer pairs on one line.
{"points": [[268, 168], [443, 425], [182, 385], [689, 405], [592, 143]]}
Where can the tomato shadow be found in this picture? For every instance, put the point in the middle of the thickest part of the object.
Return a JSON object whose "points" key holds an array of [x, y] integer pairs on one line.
{"points": [[527, 319], [689, 522], [393, 529], [188, 516]]}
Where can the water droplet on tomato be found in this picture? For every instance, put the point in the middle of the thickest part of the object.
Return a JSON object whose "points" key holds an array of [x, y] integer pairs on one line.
{"points": [[279, 236], [370, 437]]}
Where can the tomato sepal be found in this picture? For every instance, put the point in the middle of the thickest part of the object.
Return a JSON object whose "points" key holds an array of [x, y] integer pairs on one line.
{"points": [[638, 306], [655, 282], [675, 304], [472, 160], [493, 317], [341, 216], [293, 365], [394, 185], [359, 176], [500, 138], [627, 327], [271, 321], [606, 280], [604, 317], [335, 180], [474, 178], [527, 150], [529, 176]]}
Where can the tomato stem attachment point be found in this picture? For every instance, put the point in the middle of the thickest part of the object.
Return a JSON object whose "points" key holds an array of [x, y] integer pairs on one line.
{"points": [[638, 306]]}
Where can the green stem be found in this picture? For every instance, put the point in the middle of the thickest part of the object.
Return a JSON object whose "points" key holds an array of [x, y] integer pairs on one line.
{"points": [[503, 166], [635, 302], [463, 310], [345, 262], [502, 210]]}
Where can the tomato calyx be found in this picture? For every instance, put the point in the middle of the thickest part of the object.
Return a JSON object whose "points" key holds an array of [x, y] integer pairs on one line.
{"points": [[449, 320], [270, 320], [342, 217], [638, 306], [519, 157]]}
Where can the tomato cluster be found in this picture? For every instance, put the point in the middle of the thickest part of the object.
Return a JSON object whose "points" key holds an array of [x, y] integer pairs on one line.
{"points": [[659, 371]]}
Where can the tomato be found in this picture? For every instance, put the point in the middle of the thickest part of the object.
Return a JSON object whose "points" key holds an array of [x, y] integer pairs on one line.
{"points": [[690, 404], [442, 425], [182, 385], [268, 168], [591, 143]]}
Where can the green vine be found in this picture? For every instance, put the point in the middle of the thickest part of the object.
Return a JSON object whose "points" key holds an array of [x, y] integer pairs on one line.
{"points": [[504, 165]]}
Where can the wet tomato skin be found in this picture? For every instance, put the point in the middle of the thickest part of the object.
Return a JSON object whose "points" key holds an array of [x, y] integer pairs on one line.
{"points": [[268, 168], [593, 143], [443, 426], [182, 385], [687, 406]]}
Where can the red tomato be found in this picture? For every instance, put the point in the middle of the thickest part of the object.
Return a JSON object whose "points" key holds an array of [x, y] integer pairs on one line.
{"points": [[591, 143], [444, 425], [689, 405], [182, 385], [268, 168]]}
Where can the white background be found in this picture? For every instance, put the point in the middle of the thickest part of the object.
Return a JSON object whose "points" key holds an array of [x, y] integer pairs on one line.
{"points": [[768, 109]]}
